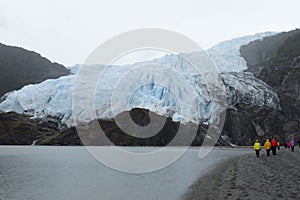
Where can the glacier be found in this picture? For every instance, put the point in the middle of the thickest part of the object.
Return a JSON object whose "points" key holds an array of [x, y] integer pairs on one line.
{"points": [[227, 54], [53, 97], [245, 88]]}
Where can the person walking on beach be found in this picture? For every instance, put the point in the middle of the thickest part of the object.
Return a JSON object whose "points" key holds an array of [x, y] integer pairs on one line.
{"points": [[292, 144], [273, 146], [257, 148], [267, 146]]}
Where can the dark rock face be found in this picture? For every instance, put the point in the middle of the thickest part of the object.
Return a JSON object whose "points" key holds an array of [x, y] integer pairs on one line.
{"points": [[242, 126], [20, 67], [276, 61], [116, 136], [66, 137], [258, 53], [19, 129], [248, 123]]}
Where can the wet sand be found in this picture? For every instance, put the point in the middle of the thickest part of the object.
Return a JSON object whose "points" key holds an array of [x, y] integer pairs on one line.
{"points": [[248, 177]]}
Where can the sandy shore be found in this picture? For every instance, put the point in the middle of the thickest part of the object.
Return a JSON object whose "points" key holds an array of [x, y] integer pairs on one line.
{"points": [[248, 177]]}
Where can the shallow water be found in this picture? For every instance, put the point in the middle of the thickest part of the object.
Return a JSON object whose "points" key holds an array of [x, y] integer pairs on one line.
{"points": [[35, 173]]}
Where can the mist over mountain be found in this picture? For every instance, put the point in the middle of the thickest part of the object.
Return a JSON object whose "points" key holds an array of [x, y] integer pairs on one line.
{"points": [[20, 67]]}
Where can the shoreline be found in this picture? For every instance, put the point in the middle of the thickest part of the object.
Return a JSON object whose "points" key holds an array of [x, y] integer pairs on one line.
{"points": [[23, 145], [248, 177]]}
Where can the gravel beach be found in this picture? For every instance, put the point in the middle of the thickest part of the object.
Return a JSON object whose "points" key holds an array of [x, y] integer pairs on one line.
{"points": [[248, 177]]}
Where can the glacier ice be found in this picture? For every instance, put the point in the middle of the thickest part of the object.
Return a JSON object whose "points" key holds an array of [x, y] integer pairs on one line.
{"points": [[53, 97], [245, 88], [227, 55]]}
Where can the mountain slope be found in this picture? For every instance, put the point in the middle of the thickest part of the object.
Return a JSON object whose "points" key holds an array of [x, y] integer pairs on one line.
{"points": [[276, 61], [20, 67], [20, 129]]}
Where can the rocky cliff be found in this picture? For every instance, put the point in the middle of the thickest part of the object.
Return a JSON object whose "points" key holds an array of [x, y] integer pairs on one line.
{"points": [[20, 129], [16, 129], [276, 61]]}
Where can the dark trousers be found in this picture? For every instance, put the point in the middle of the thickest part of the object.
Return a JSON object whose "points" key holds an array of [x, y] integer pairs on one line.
{"points": [[268, 152], [274, 151], [257, 153], [292, 148]]}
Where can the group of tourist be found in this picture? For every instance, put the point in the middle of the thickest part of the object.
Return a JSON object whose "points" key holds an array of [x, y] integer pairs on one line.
{"points": [[273, 146]]}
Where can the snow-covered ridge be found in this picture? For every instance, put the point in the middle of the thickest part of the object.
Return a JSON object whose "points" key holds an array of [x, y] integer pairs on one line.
{"points": [[227, 55], [54, 97]]}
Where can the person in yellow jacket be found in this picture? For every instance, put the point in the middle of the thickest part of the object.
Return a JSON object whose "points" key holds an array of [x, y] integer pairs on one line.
{"points": [[257, 148], [268, 146]]}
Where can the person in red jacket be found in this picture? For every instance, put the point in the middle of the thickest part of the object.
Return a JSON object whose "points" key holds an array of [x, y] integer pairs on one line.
{"points": [[273, 146]]}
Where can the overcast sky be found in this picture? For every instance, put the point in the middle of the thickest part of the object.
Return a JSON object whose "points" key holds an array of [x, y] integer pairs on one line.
{"points": [[67, 31]]}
